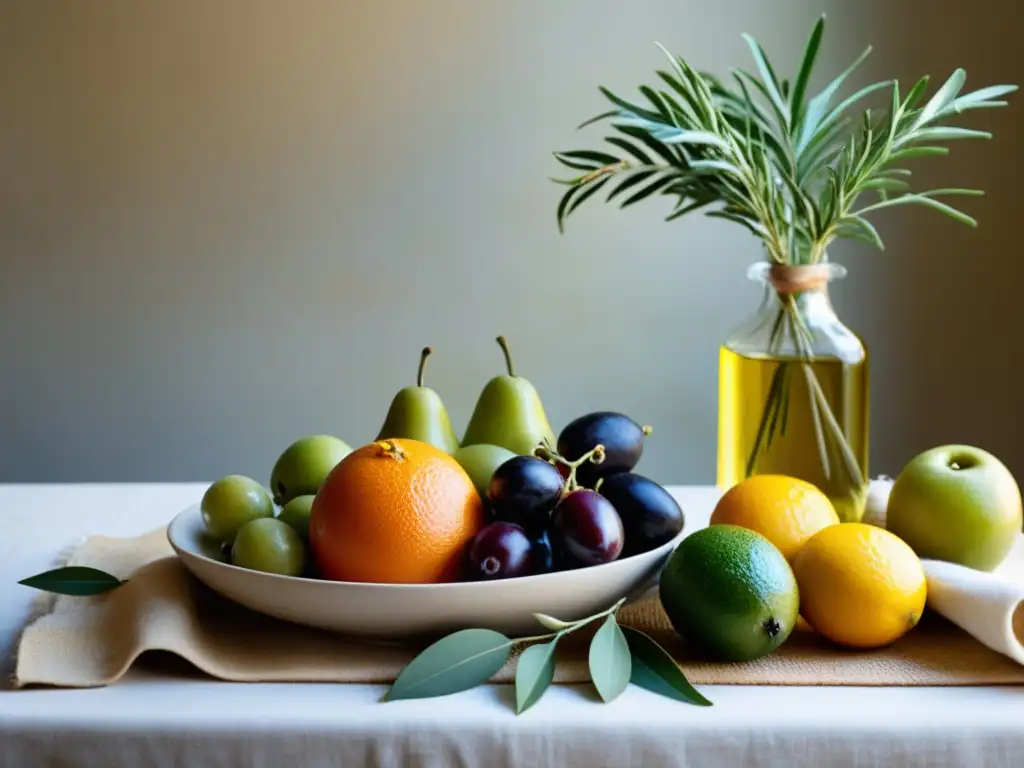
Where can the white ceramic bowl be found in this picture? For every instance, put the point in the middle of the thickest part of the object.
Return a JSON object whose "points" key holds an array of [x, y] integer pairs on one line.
{"points": [[395, 611]]}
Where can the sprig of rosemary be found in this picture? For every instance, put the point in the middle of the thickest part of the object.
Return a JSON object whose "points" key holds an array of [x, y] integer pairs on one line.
{"points": [[789, 167]]}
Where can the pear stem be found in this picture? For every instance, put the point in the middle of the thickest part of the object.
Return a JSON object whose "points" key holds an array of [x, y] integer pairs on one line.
{"points": [[508, 355], [423, 365]]}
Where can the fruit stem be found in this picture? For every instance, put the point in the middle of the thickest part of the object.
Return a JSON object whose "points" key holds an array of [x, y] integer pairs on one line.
{"points": [[545, 447], [423, 365], [573, 626], [389, 448], [594, 456], [583, 622], [508, 355], [647, 429]]}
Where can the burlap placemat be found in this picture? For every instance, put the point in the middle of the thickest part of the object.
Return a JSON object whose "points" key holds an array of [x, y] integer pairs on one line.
{"points": [[86, 642]]}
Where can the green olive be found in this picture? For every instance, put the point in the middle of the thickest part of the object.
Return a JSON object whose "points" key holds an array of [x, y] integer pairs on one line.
{"points": [[231, 502], [271, 546], [480, 461], [296, 513], [304, 465]]}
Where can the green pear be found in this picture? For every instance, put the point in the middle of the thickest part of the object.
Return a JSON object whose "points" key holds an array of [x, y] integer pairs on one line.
{"points": [[480, 461], [509, 413], [417, 413]]}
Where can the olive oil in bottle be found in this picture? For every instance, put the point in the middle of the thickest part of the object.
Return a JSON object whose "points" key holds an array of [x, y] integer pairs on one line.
{"points": [[792, 439]]}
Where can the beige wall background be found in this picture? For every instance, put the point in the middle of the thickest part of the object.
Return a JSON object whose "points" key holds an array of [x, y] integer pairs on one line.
{"points": [[227, 224]]}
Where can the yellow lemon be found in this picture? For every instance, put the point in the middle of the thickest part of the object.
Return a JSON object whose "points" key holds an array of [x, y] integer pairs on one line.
{"points": [[784, 510], [860, 586]]}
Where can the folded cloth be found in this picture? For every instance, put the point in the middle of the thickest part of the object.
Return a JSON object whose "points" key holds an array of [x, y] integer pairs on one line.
{"points": [[93, 641], [990, 606]]}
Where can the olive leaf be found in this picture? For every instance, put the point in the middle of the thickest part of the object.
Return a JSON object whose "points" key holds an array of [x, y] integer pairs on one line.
{"points": [[610, 663], [655, 670], [76, 580], [471, 657], [456, 662], [534, 673]]}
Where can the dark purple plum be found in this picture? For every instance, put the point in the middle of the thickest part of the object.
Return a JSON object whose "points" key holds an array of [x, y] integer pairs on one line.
{"points": [[524, 491], [622, 438], [650, 515], [499, 550], [586, 529], [543, 553]]}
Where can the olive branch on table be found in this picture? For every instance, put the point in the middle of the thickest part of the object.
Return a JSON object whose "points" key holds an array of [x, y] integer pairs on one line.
{"points": [[618, 655]]}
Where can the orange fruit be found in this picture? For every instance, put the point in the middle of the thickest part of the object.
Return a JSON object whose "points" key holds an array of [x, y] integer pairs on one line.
{"points": [[860, 586], [395, 511], [785, 510]]}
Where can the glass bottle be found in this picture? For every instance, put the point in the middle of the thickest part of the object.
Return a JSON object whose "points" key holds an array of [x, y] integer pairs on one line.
{"points": [[793, 389]]}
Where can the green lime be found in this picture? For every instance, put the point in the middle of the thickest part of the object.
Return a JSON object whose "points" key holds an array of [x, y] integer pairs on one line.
{"points": [[271, 546], [230, 503], [296, 513], [730, 592]]}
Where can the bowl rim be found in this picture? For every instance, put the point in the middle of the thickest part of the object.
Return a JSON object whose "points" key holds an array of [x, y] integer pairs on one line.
{"points": [[183, 518]]}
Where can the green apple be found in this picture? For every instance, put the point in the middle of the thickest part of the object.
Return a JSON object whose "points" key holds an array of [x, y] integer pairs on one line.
{"points": [[480, 461], [956, 503]]}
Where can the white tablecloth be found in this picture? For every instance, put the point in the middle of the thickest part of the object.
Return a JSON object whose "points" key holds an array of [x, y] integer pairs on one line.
{"points": [[175, 717]]}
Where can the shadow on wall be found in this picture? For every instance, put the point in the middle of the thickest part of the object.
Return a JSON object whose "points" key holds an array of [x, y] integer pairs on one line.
{"points": [[955, 326]]}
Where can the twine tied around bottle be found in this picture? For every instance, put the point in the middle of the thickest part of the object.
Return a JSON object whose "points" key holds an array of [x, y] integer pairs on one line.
{"points": [[788, 279]]}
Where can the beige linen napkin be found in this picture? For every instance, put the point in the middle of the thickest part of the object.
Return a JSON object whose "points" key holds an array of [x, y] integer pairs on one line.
{"points": [[84, 642]]}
